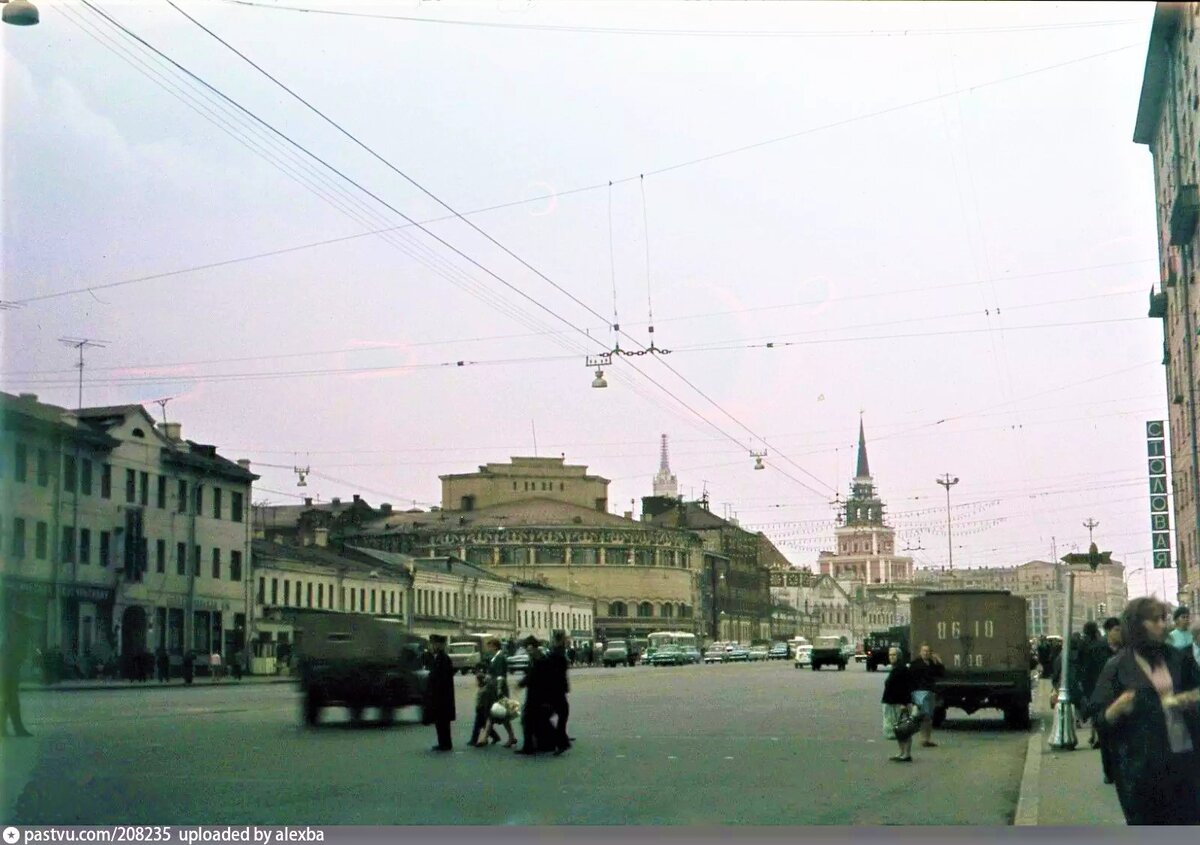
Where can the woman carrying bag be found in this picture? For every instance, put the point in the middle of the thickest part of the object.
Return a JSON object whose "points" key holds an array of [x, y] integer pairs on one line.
{"points": [[898, 721], [502, 710]]}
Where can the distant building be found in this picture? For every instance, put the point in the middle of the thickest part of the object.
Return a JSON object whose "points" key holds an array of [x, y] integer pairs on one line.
{"points": [[866, 544], [666, 485], [1167, 123], [524, 478]]}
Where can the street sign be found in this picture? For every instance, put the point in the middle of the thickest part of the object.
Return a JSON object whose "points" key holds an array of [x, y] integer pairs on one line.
{"points": [[1160, 520], [1093, 558], [1162, 560]]}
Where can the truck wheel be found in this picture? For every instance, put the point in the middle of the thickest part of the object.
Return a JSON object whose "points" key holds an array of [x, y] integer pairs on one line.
{"points": [[387, 714], [356, 712], [841, 667], [1016, 716], [939, 716], [816, 667], [312, 709]]}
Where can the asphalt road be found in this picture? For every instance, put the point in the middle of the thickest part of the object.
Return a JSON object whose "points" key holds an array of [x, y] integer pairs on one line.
{"points": [[736, 744]]}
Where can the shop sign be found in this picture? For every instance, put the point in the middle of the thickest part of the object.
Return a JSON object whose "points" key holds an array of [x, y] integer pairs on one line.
{"points": [[1160, 535]]}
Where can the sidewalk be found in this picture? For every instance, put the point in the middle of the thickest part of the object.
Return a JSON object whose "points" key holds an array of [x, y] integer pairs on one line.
{"points": [[1064, 788], [204, 681]]}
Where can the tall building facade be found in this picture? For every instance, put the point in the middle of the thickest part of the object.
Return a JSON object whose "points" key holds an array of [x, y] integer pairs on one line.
{"points": [[866, 544], [1168, 122]]}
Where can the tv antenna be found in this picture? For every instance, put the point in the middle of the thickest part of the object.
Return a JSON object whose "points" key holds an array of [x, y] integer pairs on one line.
{"points": [[82, 343]]}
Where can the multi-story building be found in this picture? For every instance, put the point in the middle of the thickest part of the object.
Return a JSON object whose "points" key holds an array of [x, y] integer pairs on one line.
{"points": [[823, 607], [121, 536], [1168, 121], [541, 610], [866, 544], [524, 478]]}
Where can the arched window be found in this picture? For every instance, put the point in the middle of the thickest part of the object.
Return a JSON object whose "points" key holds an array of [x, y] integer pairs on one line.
{"points": [[645, 609], [617, 608], [668, 611]]}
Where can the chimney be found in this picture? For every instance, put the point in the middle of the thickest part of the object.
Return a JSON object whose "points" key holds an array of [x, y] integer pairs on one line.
{"points": [[172, 431], [385, 508], [629, 514], [356, 497], [321, 537], [336, 501], [308, 501], [244, 463]]}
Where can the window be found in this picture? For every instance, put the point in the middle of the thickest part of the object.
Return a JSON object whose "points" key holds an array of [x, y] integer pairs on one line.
{"points": [[18, 538], [551, 554], [69, 475], [162, 492], [274, 591], [144, 490], [105, 547], [353, 600], [235, 566], [160, 556], [216, 563], [320, 595], [68, 544], [308, 595], [41, 540], [197, 498], [235, 506], [85, 546], [106, 481], [85, 477], [372, 601], [181, 559], [182, 494], [362, 599], [645, 609], [43, 467], [617, 608], [287, 592], [196, 561], [216, 503], [20, 461], [130, 486]]}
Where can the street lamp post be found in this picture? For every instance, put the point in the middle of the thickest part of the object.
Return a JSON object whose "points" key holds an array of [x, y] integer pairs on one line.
{"points": [[949, 481], [19, 12], [1062, 734]]}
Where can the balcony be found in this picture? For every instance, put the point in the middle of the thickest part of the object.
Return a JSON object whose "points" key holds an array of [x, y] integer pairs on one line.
{"points": [[1185, 212], [1158, 304]]}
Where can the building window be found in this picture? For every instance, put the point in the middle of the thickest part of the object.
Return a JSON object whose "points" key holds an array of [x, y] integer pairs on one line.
{"points": [[235, 506], [197, 498], [216, 563], [551, 554], [645, 610], [235, 566], [106, 481], [644, 557], [668, 611], [20, 462], [216, 503], [372, 601], [287, 592], [362, 599], [616, 556], [181, 559], [308, 595], [130, 486], [105, 547], [262, 589], [274, 592], [85, 546], [144, 490], [181, 492], [320, 595], [85, 476], [162, 492], [584, 556], [160, 556], [43, 467], [69, 474], [617, 608], [196, 561], [68, 544], [40, 540], [18, 538]]}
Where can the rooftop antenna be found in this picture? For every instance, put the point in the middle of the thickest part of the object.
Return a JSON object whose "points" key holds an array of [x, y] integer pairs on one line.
{"points": [[82, 343], [533, 425], [162, 404], [303, 473]]}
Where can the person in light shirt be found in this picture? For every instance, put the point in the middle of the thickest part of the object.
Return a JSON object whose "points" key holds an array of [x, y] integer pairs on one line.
{"points": [[1181, 637]]}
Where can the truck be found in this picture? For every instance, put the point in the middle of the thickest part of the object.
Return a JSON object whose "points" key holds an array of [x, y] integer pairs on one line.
{"points": [[980, 637], [829, 651], [357, 661], [879, 643], [464, 656]]}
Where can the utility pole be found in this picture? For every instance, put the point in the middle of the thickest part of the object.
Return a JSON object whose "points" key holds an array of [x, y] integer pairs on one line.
{"points": [[949, 481]]}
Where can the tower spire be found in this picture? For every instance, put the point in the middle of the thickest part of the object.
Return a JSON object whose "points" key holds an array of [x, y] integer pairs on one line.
{"points": [[665, 484], [864, 471], [663, 465]]}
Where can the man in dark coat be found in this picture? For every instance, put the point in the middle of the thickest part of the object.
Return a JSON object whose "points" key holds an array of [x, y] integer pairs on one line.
{"points": [[1113, 643], [11, 658], [162, 662], [557, 687], [535, 724], [439, 694], [924, 671]]}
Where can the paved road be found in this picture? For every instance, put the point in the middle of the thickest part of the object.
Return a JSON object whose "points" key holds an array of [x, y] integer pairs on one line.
{"points": [[730, 744]]}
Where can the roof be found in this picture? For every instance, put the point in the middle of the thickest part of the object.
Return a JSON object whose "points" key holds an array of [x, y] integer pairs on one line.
{"points": [[20, 413], [349, 560], [538, 513], [535, 587], [1155, 77], [433, 565], [526, 466], [288, 516]]}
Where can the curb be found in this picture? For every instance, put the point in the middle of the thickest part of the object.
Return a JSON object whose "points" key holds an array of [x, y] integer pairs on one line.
{"points": [[151, 685], [1029, 796]]}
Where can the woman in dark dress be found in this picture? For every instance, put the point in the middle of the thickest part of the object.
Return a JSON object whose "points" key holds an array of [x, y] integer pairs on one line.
{"points": [[897, 696], [1147, 705]]}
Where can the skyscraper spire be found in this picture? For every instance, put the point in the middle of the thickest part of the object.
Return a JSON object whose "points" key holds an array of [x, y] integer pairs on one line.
{"points": [[665, 484], [864, 471]]}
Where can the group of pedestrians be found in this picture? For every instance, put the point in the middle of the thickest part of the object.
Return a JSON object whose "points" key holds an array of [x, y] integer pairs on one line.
{"points": [[908, 697], [544, 714]]}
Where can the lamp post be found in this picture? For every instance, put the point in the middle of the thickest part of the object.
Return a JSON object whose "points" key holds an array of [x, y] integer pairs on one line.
{"points": [[948, 481], [1062, 734], [19, 13]]}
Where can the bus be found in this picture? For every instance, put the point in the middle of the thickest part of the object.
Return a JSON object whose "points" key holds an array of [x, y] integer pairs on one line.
{"points": [[661, 638]]}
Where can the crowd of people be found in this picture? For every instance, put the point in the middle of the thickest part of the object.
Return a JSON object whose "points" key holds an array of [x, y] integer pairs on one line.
{"points": [[543, 716]]}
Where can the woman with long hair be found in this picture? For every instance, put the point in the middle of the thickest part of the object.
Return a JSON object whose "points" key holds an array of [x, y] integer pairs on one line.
{"points": [[1147, 703]]}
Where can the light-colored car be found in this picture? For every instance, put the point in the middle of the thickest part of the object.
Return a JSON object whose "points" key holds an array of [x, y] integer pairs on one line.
{"points": [[758, 652], [715, 655], [803, 656], [779, 651], [693, 654], [464, 656], [737, 654], [668, 655], [616, 654]]}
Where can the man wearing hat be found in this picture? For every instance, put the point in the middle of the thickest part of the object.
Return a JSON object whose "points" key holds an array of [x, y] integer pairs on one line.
{"points": [[535, 720], [1181, 637], [439, 694]]}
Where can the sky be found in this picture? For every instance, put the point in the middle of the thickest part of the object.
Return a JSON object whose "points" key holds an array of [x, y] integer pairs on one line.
{"points": [[930, 217]]}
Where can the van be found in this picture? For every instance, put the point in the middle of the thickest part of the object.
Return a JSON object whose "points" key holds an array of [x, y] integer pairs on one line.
{"points": [[464, 656]]}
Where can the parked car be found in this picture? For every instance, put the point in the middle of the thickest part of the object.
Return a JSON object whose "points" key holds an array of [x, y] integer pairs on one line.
{"points": [[693, 654], [668, 655], [779, 651], [803, 655], [758, 652], [518, 661], [616, 653], [830, 651], [737, 654], [714, 655], [464, 657]]}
